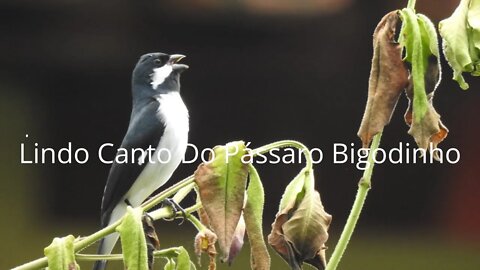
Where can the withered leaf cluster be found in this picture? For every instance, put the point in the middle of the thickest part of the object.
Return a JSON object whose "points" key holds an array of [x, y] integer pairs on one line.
{"points": [[229, 208], [299, 232], [390, 75]]}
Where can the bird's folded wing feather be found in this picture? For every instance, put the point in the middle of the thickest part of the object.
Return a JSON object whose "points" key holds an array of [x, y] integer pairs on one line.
{"points": [[144, 130]]}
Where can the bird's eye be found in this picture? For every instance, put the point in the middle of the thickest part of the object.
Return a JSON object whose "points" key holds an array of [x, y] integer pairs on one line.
{"points": [[157, 61]]}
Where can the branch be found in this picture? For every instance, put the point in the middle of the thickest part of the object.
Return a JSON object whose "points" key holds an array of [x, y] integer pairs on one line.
{"points": [[363, 188]]}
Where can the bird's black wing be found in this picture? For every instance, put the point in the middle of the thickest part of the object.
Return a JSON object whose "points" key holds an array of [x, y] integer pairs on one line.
{"points": [[145, 130]]}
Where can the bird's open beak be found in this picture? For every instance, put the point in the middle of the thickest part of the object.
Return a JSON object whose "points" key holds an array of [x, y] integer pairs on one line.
{"points": [[174, 59]]}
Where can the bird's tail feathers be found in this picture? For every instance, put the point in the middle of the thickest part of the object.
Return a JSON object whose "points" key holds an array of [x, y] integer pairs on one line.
{"points": [[108, 243], [105, 247]]}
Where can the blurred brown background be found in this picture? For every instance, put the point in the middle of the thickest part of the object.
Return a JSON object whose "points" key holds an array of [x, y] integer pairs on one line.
{"points": [[259, 71]]}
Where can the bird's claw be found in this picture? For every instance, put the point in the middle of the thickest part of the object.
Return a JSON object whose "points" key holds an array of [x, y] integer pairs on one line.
{"points": [[175, 208]]}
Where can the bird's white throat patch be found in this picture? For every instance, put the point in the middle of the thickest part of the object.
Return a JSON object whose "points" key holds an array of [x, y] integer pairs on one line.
{"points": [[160, 74]]}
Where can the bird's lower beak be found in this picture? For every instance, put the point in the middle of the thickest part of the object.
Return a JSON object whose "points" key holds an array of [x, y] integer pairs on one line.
{"points": [[174, 59]]}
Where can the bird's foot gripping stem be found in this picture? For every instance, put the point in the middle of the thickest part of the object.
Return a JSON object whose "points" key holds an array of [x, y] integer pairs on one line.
{"points": [[175, 208]]}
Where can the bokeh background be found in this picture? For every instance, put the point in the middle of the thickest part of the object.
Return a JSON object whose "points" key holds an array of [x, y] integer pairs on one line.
{"points": [[259, 71]]}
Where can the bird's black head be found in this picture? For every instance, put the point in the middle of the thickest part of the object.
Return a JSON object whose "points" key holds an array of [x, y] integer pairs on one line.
{"points": [[159, 72]]}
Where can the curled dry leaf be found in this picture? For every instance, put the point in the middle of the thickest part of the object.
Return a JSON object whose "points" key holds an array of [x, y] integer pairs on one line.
{"points": [[221, 185], [299, 232], [277, 240], [430, 129], [426, 128], [388, 78], [205, 243], [153, 243]]}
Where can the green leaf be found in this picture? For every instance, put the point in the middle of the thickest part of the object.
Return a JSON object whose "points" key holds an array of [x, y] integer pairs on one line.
{"points": [[61, 255], [429, 35], [170, 265], [183, 259], [473, 18], [253, 214], [431, 52], [221, 185], [421, 44], [293, 189], [461, 40], [413, 42], [177, 258], [134, 245], [404, 39]]}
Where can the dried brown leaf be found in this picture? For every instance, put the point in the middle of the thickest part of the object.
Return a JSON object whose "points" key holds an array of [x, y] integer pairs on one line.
{"points": [[388, 77], [202, 214], [299, 232], [277, 240], [150, 234], [307, 229], [205, 243], [153, 243]]}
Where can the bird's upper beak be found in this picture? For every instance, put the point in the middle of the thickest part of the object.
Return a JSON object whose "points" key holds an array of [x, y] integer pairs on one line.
{"points": [[174, 59]]}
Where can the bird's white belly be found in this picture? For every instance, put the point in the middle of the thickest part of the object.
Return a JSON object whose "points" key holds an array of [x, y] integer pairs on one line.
{"points": [[169, 152]]}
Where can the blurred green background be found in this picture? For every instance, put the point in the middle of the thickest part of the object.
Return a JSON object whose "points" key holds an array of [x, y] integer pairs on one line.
{"points": [[259, 71]]}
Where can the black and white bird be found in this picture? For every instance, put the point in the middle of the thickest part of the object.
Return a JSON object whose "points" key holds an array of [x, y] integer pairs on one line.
{"points": [[159, 120]]}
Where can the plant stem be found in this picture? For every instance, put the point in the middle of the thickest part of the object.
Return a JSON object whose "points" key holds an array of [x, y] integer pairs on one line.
{"points": [[98, 257], [166, 212], [182, 193], [411, 4], [363, 188], [194, 220], [167, 193], [36, 264], [286, 143], [168, 252], [367, 174]]}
